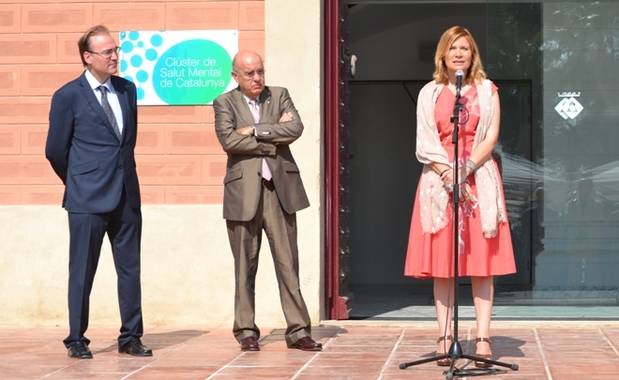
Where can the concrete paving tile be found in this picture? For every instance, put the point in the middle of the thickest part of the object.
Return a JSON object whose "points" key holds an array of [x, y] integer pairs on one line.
{"points": [[351, 352], [176, 373], [358, 348], [334, 377], [339, 371], [415, 374], [256, 373], [290, 358]]}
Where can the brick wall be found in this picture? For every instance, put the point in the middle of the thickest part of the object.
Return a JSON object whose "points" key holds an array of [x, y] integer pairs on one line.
{"points": [[179, 158]]}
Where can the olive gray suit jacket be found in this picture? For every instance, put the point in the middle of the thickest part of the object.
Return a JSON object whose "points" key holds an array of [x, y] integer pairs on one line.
{"points": [[242, 183]]}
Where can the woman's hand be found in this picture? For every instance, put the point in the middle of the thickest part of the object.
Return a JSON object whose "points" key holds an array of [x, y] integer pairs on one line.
{"points": [[448, 179], [471, 166], [467, 198]]}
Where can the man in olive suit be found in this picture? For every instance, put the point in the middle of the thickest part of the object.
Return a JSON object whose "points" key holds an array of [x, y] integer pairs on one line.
{"points": [[255, 125]]}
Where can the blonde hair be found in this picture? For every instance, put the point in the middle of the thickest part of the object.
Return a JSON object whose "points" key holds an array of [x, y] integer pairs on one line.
{"points": [[475, 73]]}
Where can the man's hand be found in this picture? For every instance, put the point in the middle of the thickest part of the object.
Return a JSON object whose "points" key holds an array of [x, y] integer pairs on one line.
{"points": [[245, 131], [286, 117]]}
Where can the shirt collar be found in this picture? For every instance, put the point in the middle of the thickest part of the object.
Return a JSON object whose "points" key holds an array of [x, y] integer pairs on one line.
{"points": [[249, 100], [94, 83]]}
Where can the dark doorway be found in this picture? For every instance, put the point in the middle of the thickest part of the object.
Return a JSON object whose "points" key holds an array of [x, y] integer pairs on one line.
{"points": [[394, 44]]}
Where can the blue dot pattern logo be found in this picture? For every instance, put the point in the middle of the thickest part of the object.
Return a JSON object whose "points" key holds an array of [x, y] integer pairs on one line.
{"points": [[178, 67]]}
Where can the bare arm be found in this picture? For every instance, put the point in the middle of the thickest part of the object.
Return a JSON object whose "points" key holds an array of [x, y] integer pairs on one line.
{"points": [[484, 149]]}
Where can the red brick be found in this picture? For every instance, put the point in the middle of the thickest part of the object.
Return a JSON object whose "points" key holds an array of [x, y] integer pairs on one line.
{"points": [[194, 194], [207, 114], [51, 18], [251, 15], [33, 138], [150, 140], [45, 80], [130, 16], [9, 80], [152, 194], [42, 194], [171, 114], [9, 139], [27, 48], [200, 139], [9, 18], [214, 169], [24, 110], [67, 51], [202, 15], [10, 195], [252, 40], [26, 170], [169, 170]]}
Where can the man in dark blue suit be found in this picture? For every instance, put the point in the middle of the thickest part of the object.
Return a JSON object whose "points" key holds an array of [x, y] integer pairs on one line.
{"points": [[90, 145]]}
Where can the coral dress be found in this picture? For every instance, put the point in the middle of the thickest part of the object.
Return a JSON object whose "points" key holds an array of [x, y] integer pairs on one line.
{"points": [[431, 255]]}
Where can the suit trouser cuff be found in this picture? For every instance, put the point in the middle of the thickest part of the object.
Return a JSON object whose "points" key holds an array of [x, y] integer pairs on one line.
{"points": [[294, 336], [246, 333]]}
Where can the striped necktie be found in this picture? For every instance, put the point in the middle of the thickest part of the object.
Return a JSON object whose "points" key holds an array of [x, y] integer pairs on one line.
{"points": [[107, 109]]}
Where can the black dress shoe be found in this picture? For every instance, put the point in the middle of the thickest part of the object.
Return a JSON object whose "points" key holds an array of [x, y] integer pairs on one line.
{"points": [[306, 344], [79, 350], [135, 348], [250, 344]]}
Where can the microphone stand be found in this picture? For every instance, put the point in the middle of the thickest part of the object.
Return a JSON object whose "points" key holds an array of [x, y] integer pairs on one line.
{"points": [[455, 350]]}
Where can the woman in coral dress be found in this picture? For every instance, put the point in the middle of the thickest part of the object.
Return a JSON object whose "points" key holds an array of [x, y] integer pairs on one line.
{"points": [[485, 248]]}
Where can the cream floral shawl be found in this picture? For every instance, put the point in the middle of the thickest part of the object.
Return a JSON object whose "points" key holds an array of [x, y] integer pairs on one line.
{"points": [[433, 196]]}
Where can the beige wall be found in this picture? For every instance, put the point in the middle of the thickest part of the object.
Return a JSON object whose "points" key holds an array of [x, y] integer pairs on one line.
{"points": [[187, 273], [294, 60]]}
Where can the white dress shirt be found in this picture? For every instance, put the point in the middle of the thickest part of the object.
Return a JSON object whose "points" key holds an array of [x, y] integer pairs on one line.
{"points": [[112, 97]]}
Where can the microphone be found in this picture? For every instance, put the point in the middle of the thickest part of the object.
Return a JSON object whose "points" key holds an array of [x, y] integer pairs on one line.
{"points": [[459, 77]]}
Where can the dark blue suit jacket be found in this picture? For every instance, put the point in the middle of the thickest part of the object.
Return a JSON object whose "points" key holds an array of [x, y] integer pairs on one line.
{"points": [[94, 165]]}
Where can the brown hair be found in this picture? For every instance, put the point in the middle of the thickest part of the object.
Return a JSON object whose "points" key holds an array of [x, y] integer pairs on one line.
{"points": [[83, 44], [475, 73]]}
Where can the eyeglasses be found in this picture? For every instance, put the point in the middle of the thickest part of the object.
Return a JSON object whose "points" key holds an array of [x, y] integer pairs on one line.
{"points": [[250, 74], [107, 53]]}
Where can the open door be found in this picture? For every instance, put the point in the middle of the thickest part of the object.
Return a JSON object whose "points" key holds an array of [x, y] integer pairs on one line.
{"points": [[371, 170]]}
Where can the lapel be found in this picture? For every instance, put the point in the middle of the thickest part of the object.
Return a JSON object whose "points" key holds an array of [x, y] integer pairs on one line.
{"points": [[246, 117], [94, 104], [265, 106], [265, 103]]}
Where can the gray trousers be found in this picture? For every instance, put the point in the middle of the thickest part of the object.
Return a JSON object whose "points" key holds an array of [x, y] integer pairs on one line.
{"points": [[245, 239]]}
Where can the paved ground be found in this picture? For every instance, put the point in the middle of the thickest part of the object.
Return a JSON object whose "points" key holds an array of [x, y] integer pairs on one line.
{"points": [[557, 350]]}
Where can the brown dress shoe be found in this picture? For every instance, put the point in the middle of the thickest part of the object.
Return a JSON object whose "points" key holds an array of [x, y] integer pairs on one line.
{"points": [[250, 344], [306, 344]]}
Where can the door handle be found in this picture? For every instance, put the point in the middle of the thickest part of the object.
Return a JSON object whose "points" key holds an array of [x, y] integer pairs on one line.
{"points": [[353, 65]]}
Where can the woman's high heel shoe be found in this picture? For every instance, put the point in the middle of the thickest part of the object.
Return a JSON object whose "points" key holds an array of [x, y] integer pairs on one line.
{"points": [[480, 364], [445, 362]]}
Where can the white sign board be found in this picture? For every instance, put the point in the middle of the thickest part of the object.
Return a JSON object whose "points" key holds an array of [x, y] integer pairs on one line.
{"points": [[178, 67]]}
